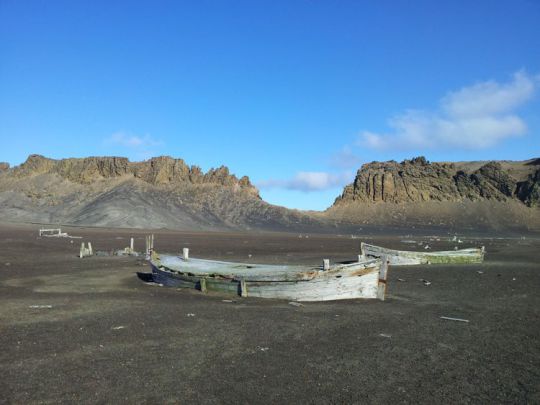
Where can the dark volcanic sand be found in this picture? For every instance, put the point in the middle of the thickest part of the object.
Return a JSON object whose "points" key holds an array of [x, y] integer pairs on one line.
{"points": [[111, 338]]}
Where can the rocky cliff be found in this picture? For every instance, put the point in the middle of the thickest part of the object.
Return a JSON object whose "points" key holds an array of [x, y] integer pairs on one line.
{"points": [[156, 171], [166, 192], [160, 192], [496, 194], [418, 180]]}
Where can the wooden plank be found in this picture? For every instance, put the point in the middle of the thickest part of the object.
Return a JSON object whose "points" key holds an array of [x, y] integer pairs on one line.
{"points": [[405, 257], [381, 288], [243, 288], [203, 285]]}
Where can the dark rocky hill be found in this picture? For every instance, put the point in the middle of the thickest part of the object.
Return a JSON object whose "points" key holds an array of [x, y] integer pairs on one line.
{"points": [[492, 194], [160, 192], [166, 192]]}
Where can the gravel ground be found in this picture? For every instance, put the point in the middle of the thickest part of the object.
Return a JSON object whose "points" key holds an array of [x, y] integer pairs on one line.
{"points": [[90, 330]]}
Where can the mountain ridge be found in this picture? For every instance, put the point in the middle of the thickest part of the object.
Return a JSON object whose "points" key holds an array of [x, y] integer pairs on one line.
{"points": [[166, 192], [418, 180]]}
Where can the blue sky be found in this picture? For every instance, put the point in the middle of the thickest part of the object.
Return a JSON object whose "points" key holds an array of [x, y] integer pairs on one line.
{"points": [[294, 94]]}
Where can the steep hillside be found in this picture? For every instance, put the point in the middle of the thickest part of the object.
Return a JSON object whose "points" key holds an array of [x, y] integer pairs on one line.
{"points": [[471, 194], [166, 192], [160, 192]]}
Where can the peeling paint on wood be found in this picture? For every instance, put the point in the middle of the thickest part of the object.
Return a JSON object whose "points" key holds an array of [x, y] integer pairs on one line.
{"points": [[405, 257], [299, 283]]}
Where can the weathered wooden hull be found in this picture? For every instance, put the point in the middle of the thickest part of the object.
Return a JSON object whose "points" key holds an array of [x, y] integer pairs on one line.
{"points": [[361, 280], [404, 257]]}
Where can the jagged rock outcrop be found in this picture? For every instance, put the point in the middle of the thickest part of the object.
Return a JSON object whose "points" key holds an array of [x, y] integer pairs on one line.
{"points": [[418, 180], [159, 192], [529, 190], [157, 171], [166, 192]]}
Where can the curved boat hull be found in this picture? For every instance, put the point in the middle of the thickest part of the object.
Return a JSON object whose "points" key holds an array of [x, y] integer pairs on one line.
{"points": [[404, 257], [358, 280]]}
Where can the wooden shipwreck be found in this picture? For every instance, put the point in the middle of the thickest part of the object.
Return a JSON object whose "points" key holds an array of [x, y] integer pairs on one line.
{"points": [[405, 257], [362, 279]]}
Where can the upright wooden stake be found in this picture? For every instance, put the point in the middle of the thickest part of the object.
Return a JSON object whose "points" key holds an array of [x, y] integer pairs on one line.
{"points": [[326, 264], [381, 289], [203, 284], [185, 253], [243, 288], [131, 244]]}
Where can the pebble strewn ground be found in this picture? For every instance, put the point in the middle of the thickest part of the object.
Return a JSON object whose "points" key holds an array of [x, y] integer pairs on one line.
{"points": [[90, 330]]}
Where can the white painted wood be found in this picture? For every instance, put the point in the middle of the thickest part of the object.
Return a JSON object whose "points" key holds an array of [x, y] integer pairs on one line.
{"points": [[185, 253], [404, 257], [383, 272], [260, 272], [326, 264], [454, 319], [85, 251], [203, 284], [243, 288], [131, 244], [298, 283]]}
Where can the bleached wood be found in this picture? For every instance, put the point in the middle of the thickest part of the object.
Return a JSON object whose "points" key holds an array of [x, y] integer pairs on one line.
{"points": [[203, 284], [404, 257], [185, 253], [381, 288], [298, 283]]}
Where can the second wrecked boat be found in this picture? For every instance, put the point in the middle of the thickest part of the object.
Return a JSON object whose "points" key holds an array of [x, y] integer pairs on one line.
{"points": [[362, 279], [405, 257]]}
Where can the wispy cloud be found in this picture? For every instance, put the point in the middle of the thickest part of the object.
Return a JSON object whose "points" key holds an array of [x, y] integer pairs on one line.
{"points": [[345, 159], [309, 181], [142, 147], [128, 140], [474, 117]]}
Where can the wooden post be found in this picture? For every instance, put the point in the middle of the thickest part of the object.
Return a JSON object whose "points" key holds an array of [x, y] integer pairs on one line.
{"points": [[131, 245], [203, 284], [243, 288], [81, 254], [360, 258], [381, 289], [362, 250], [185, 253], [90, 252], [326, 264]]}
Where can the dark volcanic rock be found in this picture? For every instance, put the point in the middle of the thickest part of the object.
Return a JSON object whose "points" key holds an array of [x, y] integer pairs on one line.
{"points": [[160, 170], [417, 180], [529, 191], [159, 192]]}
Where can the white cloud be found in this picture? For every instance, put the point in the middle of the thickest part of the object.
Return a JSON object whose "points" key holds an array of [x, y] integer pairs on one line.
{"points": [[474, 117], [131, 141], [309, 181], [345, 159]]}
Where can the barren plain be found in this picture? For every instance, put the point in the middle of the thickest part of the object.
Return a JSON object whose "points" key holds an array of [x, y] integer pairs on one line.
{"points": [[90, 330]]}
